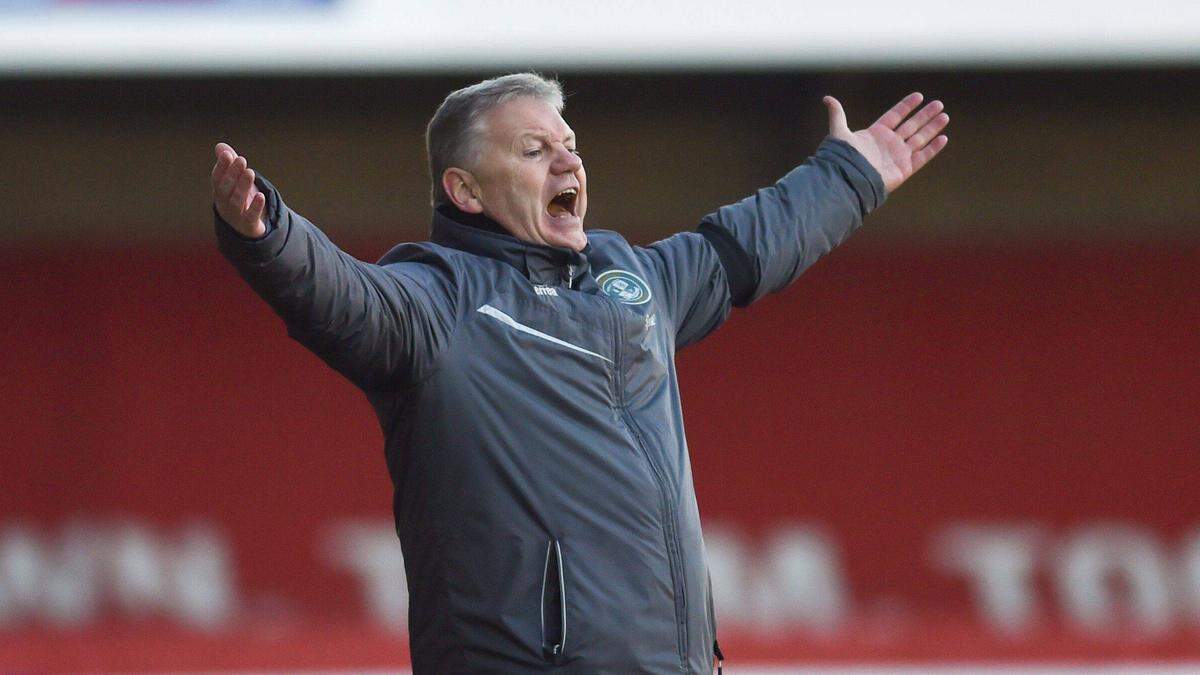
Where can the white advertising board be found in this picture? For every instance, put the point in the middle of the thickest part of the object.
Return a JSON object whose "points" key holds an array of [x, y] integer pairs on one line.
{"points": [[255, 36]]}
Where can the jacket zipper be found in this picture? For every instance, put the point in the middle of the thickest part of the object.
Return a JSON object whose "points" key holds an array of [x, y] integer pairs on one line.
{"points": [[718, 657], [554, 647], [668, 506]]}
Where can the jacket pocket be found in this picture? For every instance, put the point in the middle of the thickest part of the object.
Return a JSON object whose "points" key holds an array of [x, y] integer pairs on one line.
{"points": [[554, 604]]}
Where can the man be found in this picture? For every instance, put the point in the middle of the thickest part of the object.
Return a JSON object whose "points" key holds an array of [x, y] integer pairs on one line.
{"points": [[523, 372]]}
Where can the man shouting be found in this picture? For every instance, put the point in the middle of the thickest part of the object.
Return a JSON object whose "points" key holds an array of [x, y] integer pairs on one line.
{"points": [[523, 372]]}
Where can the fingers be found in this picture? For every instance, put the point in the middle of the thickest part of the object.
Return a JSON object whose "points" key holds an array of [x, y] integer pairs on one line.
{"points": [[224, 184], [892, 118], [921, 157], [919, 120], [928, 131], [225, 157], [838, 126], [258, 206], [239, 198]]}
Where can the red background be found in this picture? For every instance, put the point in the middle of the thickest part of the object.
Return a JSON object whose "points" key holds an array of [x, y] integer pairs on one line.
{"points": [[890, 393]]}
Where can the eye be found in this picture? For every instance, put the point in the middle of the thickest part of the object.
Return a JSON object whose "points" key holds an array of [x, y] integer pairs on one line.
{"points": [[533, 152], [575, 151]]}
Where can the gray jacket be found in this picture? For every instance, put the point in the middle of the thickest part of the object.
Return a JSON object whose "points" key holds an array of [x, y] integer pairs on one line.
{"points": [[543, 492]]}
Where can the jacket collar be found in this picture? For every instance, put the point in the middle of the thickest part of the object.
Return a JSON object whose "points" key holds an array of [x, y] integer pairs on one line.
{"points": [[543, 265]]}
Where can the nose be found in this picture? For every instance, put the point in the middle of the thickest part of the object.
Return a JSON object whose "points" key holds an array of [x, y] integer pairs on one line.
{"points": [[566, 161]]}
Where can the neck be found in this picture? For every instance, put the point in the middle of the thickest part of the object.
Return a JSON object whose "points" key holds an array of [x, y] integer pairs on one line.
{"points": [[476, 220]]}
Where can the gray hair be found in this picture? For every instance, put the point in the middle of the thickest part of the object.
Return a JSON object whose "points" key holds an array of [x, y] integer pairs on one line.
{"points": [[452, 137]]}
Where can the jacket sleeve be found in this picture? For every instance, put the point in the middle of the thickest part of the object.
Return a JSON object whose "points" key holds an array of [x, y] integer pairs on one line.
{"points": [[697, 293], [376, 325], [768, 239]]}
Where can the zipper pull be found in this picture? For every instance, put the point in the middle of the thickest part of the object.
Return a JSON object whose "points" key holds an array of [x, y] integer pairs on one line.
{"points": [[718, 657], [570, 275]]}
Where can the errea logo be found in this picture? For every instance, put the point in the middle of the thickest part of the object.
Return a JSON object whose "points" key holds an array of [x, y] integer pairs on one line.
{"points": [[625, 287], [546, 290]]}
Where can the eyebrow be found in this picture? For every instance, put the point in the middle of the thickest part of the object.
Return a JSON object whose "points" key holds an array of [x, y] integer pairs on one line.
{"points": [[541, 135]]}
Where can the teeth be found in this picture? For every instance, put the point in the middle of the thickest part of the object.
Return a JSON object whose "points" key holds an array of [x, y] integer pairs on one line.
{"points": [[563, 202]]}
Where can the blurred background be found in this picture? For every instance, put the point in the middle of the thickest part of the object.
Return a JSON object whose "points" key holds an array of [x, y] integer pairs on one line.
{"points": [[968, 438]]}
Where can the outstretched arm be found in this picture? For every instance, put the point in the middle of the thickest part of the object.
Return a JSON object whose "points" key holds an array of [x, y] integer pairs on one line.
{"points": [[377, 325], [768, 239]]}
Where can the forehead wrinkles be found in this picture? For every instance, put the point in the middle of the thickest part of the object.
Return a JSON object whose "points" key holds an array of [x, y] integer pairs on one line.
{"points": [[515, 120]]}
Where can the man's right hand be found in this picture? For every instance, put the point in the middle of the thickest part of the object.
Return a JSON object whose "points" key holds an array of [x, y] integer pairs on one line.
{"points": [[237, 199]]}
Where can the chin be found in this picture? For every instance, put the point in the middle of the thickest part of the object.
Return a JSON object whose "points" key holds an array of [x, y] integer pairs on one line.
{"points": [[566, 232]]}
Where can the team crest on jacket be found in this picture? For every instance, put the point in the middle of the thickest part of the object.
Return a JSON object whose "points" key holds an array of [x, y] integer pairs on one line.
{"points": [[625, 287]]}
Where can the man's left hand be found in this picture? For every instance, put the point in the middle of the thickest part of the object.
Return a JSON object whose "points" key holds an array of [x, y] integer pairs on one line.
{"points": [[895, 147]]}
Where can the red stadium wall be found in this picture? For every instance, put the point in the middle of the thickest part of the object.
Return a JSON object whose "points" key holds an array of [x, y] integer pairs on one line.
{"points": [[948, 453]]}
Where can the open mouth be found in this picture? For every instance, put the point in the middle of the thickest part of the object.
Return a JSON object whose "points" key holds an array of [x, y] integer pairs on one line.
{"points": [[563, 203]]}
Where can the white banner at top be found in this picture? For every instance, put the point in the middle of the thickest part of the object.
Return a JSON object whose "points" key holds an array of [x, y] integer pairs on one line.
{"points": [[246, 36]]}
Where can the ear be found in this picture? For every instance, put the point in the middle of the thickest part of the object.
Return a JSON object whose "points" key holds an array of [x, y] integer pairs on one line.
{"points": [[462, 189]]}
